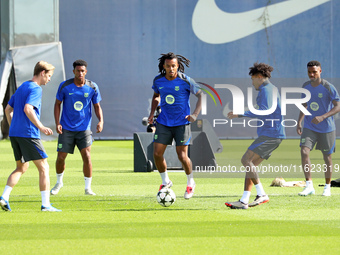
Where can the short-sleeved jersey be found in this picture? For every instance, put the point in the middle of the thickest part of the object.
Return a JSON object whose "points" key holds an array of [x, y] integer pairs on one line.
{"points": [[321, 100], [28, 93], [77, 108], [264, 101], [175, 95]]}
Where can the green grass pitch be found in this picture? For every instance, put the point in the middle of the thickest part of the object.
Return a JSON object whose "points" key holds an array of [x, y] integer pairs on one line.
{"points": [[124, 217]]}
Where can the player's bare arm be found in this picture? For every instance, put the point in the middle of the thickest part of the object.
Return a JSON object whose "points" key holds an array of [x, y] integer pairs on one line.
{"points": [[30, 113], [300, 119], [231, 115], [99, 113], [57, 107], [332, 112], [9, 114], [193, 116], [156, 98]]}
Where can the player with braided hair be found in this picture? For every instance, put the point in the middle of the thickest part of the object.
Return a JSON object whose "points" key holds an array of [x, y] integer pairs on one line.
{"points": [[180, 59], [172, 90]]}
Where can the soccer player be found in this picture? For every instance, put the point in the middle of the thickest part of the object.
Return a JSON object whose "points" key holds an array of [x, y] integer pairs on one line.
{"points": [[74, 127], [319, 127], [270, 135], [23, 116], [172, 90]]}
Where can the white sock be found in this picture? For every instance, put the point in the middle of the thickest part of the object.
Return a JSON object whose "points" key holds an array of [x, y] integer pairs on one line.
{"points": [[309, 184], [260, 190], [165, 178], [7, 192], [45, 198], [245, 197], [60, 178], [191, 181], [327, 186], [88, 181]]}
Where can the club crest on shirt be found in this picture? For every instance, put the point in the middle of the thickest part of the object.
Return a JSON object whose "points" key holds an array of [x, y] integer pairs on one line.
{"points": [[177, 88], [86, 94], [320, 95]]}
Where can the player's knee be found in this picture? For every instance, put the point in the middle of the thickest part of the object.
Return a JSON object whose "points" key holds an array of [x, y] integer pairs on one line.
{"points": [[304, 151], [60, 160], [182, 157], [327, 158], [87, 160], [61, 157], [22, 170], [44, 168], [157, 154], [245, 160]]}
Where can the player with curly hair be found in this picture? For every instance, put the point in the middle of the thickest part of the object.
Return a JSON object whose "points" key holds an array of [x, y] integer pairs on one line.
{"points": [[270, 135]]}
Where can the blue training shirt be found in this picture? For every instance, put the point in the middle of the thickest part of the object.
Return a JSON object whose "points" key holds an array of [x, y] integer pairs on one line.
{"points": [[28, 93], [175, 95], [321, 100], [77, 109], [264, 101]]}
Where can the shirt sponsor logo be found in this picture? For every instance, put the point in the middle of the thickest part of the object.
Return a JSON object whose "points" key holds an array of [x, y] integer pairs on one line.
{"points": [[169, 99], [78, 106], [314, 106]]}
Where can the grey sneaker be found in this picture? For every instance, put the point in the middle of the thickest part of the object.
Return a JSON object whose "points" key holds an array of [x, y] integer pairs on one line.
{"points": [[189, 192], [307, 191], [259, 200], [56, 188], [168, 185], [89, 192], [237, 205]]}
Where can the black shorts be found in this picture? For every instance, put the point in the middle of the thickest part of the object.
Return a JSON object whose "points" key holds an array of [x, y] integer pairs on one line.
{"points": [[264, 146], [325, 142], [27, 149], [69, 139], [165, 134]]}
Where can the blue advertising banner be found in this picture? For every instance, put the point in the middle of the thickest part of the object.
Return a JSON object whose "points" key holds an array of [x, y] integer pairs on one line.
{"points": [[122, 41]]}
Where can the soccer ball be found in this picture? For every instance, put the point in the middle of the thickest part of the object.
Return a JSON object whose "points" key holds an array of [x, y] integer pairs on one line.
{"points": [[166, 197]]}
